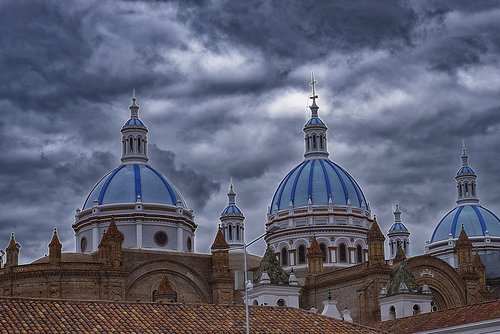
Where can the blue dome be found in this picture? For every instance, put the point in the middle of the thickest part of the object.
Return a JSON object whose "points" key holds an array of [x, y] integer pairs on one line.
{"points": [[134, 121], [318, 180], [314, 121], [475, 219], [398, 227], [231, 209], [465, 170], [124, 183]]}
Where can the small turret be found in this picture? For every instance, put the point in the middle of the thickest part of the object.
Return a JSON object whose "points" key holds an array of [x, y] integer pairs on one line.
{"points": [[110, 248], [222, 284], [315, 257], [55, 248], [466, 181], [134, 137], [399, 235], [165, 292], [12, 252], [375, 242], [232, 221]]}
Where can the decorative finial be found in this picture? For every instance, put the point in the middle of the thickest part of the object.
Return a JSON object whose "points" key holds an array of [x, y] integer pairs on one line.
{"points": [[231, 183], [464, 157], [134, 108], [313, 84]]}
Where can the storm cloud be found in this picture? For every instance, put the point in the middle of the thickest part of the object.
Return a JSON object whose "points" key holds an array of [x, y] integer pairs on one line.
{"points": [[223, 88]]}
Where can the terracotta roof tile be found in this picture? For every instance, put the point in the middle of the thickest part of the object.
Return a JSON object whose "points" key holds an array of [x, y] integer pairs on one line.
{"points": [[220, 241], [442, 319], [65, 316]]}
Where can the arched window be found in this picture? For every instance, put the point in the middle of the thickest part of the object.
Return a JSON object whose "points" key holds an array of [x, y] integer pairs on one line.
{"points": [[302, 254], [237, 232], [473, 186], [314, 141], [131, 145], [459, 189], [307, 143], [281, 302], [416, 309], [255, 303], [359, 253], [342, 253], [466, 189], [230, 232], [321, 141], [189, 244], [392, 313], [123, 144], [323, 250], [284, 257], [138, 144]]}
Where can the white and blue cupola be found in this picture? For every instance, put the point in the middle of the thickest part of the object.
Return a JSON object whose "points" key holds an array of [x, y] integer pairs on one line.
{"points": [[481, 225], [147, 208], [317, 180], [476, 219], [232, 221], [318, 197], [399, 235]]}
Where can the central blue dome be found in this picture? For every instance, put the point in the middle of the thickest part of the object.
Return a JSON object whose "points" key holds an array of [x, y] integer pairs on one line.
{"points": [[319, 180], [124, 183], [475, 219]]}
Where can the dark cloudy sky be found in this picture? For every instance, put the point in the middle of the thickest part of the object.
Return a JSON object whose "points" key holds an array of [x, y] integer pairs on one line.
{"points": [[223, 87]]}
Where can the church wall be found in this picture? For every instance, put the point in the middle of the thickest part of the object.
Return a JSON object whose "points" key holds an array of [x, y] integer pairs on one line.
{"points": [[129, 232], [148, 233]]}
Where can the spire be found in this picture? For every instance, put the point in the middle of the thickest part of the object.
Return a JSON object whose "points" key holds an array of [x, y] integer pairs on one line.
{"points": [[397, 214], [466, 181], [315, 129], [464, 156], [314, 108], [13, 245], [134, 137], [55, 239], [134, 108], [231, 195]]}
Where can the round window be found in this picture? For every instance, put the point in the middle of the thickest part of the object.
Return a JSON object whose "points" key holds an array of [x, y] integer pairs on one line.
{"points": [[161, 238], [83, 245], [189, 244], [281, 302]]}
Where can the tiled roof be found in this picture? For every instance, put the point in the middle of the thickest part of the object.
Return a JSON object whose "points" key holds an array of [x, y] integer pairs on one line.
{"points": [[220, 241], [442, 319], [65, 316]]}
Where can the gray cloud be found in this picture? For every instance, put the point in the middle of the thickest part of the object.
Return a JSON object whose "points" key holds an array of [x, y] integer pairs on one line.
{"points": [[222, 87]]}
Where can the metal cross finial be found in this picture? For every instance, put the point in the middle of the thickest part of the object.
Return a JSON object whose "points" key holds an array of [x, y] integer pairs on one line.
{"points": [[313, 84]]}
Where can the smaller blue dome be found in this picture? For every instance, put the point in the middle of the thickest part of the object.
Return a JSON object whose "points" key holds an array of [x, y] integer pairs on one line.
{"points": [[315, 121], [134, 122], [475, 219], [398, 227], [465, 170], [231, 209], [124, 183]]}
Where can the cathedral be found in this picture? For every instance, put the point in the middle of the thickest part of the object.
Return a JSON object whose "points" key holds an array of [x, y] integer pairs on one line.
{"points": [[135, 241]]}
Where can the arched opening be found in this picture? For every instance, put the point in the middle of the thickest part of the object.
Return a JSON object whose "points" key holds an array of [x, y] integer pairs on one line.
{"points": [[281, 302], [359, 253], [321, 141], [473, 186], [308, 145], [255, 303], [237, 232], [323, 250], [302, 254], [189, 244], [314, 142], [131, 145], [416, 309], [434, 307], [466, 189], [230, 232], [284, 257], [138, 144], [342, 253], [392, 313]]}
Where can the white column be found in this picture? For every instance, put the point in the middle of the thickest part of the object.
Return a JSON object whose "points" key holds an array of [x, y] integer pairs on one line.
{"points": [[95, 238], [138, 234], [180, 240]]}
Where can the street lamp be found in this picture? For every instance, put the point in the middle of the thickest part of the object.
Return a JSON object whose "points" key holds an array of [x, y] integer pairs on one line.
{"points": [[248, 285]]}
